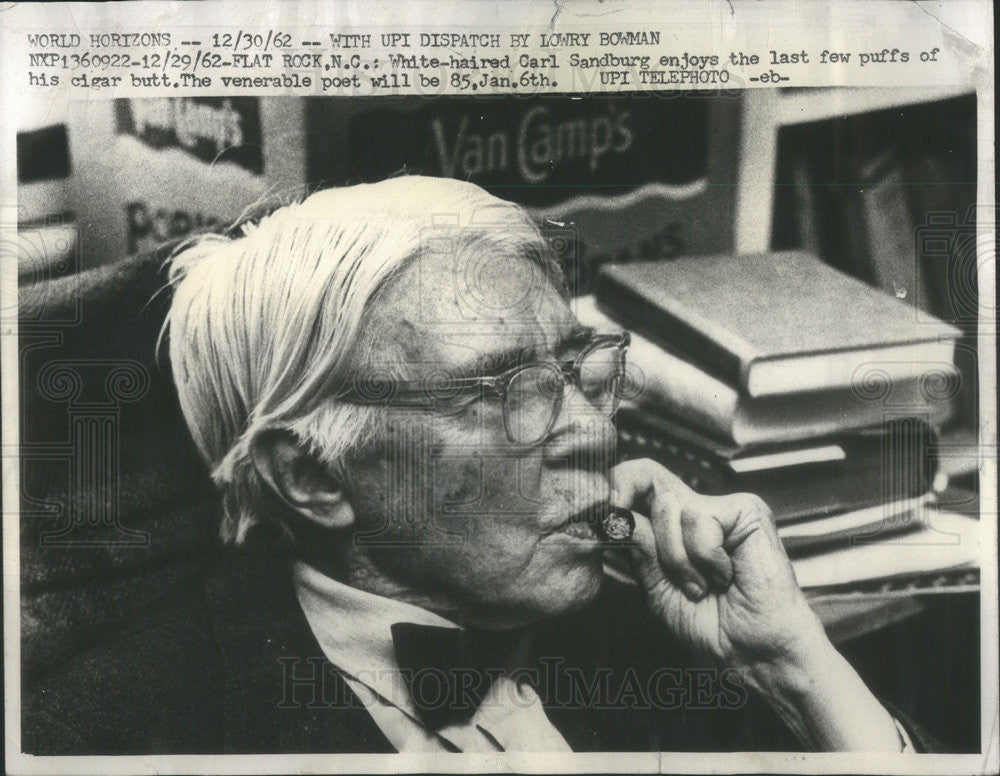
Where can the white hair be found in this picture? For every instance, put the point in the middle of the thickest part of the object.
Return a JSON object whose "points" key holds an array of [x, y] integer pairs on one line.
{"points": [[267, 327]]}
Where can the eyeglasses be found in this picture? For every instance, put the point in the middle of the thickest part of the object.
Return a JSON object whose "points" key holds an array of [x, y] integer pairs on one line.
{"points": [[531, 394]]}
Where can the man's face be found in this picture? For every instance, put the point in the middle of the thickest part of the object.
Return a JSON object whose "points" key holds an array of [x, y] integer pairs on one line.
{"points": [[447, 508]]}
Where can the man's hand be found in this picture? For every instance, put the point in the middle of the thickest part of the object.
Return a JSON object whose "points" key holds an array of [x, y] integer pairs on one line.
{"points": [[714, 569], [717, 576]]}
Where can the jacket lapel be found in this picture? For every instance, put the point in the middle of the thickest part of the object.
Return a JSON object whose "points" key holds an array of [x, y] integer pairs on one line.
{"points": [[280, 693]]}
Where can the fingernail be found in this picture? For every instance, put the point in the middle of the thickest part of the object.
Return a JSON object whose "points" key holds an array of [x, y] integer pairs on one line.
{"points": [[693, 590]]}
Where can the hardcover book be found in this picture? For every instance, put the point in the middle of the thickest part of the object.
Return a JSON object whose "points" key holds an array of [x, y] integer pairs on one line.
{"points": [[665, 382], [773, 323]]}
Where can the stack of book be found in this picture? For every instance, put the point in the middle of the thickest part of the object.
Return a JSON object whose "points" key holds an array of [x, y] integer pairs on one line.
{"points": [[778, 375]]}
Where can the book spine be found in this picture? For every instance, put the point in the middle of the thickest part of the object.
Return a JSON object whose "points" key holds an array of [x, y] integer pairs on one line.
{"points": [[650, 319], [885, 465], [882, 521]]}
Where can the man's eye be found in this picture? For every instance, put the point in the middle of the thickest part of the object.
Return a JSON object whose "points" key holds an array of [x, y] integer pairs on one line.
{"points": [[471, 401], [455, 407], [569, 354]]}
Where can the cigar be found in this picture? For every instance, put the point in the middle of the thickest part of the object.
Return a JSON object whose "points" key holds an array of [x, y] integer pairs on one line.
{"points": [[618, 525]]}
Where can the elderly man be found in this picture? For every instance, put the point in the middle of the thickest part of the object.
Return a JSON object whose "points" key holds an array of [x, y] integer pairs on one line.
{"points": [[388, 384]]}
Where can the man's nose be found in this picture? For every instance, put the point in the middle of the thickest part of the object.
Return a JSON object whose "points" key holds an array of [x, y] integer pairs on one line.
{"points": [[580, 428]]}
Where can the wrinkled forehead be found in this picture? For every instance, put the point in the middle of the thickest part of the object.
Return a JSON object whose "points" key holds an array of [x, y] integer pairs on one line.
{"points": [[452, 310]]}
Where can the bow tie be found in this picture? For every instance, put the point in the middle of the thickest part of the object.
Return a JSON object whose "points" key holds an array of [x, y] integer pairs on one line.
{"points": [[449, 670]]}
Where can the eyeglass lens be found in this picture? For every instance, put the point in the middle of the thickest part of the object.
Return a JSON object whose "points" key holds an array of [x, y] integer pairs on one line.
{"points": [[534, 394]]}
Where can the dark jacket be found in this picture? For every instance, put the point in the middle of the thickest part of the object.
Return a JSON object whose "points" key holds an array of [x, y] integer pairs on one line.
{"points": [[228, 664]]}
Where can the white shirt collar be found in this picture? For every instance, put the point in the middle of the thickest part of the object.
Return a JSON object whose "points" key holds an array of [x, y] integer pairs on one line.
{"points": [[353, 629]]}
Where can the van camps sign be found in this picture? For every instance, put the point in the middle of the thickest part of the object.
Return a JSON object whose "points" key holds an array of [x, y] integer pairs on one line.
{"points": [[210, 128], [542, 149]]}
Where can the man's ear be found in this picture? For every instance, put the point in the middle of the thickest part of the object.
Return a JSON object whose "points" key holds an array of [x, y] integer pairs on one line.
{"points": [[300, 480]]}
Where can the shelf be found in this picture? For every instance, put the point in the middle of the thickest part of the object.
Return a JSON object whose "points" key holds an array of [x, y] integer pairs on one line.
{"points": [[765, 111]]}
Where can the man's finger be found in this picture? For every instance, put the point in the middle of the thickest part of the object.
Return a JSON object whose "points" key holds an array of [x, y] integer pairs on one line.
{"points": [[666, 521], [740, 515], [704, 540], [633, 481], [651, 485]]}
